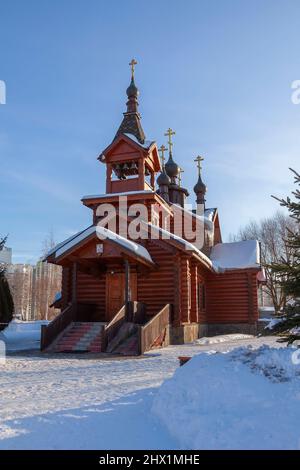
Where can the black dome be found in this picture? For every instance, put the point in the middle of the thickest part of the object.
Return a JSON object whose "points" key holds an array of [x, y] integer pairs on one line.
{"points": [[200, 187], [132, 90], [163, 179], [172, 169]]}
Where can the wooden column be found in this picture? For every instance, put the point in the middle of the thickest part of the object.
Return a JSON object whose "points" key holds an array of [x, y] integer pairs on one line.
{"points": [[141, 174], [127, 287], [108, 177], [177, 290], [74, 282], [194, 314], [152, 180]]}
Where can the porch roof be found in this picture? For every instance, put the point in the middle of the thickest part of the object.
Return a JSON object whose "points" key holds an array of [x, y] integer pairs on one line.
{"points": [[130, 247]]}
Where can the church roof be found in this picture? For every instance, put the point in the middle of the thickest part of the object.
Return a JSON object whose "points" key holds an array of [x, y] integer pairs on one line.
{"points": [[147, 143], [207, 217], [131, 123], [103, 234], [183, 244], [127, 193], [236, 255]]}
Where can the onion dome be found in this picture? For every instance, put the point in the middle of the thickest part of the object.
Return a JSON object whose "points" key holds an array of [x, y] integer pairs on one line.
{"points": [[132, 90], [163, 179], [131, 123], [172, 169], [200, 187]]}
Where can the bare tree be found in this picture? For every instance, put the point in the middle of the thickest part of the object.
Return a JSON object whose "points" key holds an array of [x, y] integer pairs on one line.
{"points": [[47, 282], [271, 232], [48, 243]]}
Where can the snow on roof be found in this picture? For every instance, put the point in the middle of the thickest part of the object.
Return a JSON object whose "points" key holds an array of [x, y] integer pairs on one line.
{"points": [[56, 247], [127, 193], [139, 250], [145, 145], [66, 246], [237, 255], [209, 213], [187, 245], [206, 218], [103, 233]]}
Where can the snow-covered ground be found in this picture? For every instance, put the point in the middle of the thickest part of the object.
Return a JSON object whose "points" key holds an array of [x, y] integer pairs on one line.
{"points": [[223, 338], [22, 336], [87, 402]]}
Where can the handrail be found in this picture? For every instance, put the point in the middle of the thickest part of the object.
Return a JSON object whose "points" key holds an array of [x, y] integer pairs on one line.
{"points": [[136, 312], [154, 328], [133, 312], [111, 329], [50, 332]]}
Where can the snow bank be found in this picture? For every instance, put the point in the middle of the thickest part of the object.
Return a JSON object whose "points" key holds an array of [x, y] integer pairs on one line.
{"points": [[21, 336], [273, 322], [244, 399], [222, 339]]}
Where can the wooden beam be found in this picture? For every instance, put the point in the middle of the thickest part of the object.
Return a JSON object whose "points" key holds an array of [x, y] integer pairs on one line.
{"points": [[127, 287], [94, 268], [74, 282]]}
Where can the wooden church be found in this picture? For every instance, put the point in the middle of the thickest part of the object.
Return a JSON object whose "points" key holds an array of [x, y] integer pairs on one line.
{"points": [[125, 296]]}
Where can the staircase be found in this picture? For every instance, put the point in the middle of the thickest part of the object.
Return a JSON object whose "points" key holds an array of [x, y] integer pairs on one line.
{"points": [[126, 341], [80, 337]]}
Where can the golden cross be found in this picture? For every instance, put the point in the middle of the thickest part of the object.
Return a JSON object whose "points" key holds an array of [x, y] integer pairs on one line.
{"points": [[179, 176], [169, 133], [132, 65], [199, 159], [162, 149]]}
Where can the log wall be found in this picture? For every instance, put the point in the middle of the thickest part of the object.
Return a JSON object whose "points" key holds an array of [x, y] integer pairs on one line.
{"points": [[232, 297], [92, 289]]}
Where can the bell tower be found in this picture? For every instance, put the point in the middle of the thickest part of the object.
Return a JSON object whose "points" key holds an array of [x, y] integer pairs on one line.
{"points": [[131, 161]]}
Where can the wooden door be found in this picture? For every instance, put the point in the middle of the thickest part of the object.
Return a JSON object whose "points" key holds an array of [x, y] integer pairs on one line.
{"points": [[115, 292]]}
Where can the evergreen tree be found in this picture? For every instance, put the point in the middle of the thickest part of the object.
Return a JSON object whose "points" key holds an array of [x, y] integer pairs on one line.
{"points": [[6, 300], [288, 270]]}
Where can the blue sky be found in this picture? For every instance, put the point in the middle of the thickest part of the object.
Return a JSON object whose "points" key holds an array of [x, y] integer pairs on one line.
{"points": [[218, 72]]}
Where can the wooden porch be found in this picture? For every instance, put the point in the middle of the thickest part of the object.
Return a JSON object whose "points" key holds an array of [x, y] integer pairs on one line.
{"points": [[128, 333]]}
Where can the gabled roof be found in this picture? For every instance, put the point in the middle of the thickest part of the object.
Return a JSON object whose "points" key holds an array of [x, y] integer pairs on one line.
{"points": [[146, 148], [179, 242], [224, 256], [130, 247]]}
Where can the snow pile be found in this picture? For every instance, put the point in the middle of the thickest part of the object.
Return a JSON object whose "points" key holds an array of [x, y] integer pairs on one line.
{"points": [[273, 322], [244, 399], [222, 339], [22, 336], [237, 255]]}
